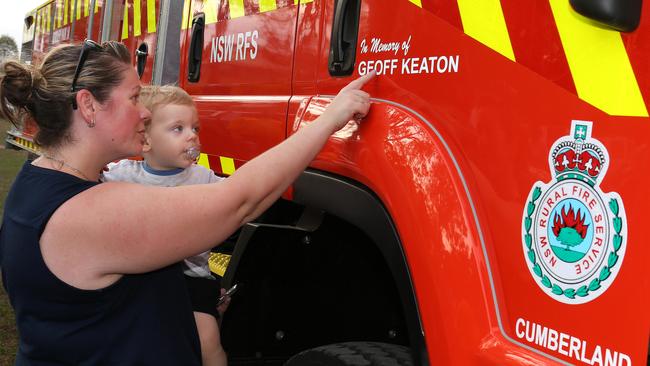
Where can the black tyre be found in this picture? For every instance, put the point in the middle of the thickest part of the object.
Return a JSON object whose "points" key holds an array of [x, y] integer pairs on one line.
{"points": [[354, 354]]}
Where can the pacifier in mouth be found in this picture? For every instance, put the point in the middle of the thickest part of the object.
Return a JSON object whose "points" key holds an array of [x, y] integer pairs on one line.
{"points": [[193, 153]]}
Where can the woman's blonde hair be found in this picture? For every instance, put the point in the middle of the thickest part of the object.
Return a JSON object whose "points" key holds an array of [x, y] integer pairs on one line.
{"points": [[155, 96], [44, 92]]}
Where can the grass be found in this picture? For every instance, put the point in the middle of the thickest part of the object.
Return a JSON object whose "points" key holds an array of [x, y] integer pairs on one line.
{"points": [[10, 162]]}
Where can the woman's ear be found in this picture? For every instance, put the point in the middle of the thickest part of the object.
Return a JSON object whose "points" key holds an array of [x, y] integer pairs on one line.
{"points": [[86, 103]]}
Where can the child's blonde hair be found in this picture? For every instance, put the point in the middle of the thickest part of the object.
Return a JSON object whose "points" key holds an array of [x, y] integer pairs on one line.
{"points": [[155, 96]]}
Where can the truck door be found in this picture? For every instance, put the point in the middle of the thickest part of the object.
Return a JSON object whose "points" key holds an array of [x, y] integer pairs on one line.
{"points": [[237, 62], [138, 33]]}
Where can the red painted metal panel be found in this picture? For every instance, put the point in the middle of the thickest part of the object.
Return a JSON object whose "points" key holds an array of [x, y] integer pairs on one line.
{"points": [[536, 41], [498, 120], [245, 84]]}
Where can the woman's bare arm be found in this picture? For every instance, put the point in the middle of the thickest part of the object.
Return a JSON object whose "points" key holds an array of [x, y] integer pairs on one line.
{"points": [[120, 228]]}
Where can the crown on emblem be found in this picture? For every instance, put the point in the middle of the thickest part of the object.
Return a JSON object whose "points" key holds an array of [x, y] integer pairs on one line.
{"points": [[578, 156]]}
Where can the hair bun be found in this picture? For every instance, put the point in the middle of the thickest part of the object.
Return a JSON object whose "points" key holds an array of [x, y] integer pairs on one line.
{"points": [[16, 87], [17, 83]]}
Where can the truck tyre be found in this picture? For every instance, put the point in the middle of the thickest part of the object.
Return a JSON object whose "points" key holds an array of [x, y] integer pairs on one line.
{"points": [[353, 354]]}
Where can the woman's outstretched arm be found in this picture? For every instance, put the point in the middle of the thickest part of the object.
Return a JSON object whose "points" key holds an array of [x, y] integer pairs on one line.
{"points": [[120, 228]]}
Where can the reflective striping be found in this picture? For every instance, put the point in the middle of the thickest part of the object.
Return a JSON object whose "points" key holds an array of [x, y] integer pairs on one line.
{"points": [[236, 8], [86, 7], [186, 14], [78, 6], [484, 21], [151, 16], [23, 143], [137, 18], [267, 5], [227, 165], [599, 64], [203, 161], [65, 12], [73, 5], [125, 21], [417, 2], [39, 21], [97, 5], [48, 18], [210, 11], [218, 263], [57, 14]]}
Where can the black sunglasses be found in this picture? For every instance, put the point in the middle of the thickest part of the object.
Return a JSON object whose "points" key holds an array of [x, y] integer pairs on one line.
{"points": [[85, 49]]}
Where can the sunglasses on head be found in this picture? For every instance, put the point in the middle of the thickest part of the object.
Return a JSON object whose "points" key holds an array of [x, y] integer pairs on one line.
{"points": [[85, 50]]}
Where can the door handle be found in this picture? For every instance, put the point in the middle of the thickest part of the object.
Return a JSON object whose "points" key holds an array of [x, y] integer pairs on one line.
{"points": [[343, 42], [196, 49], [141, 54]]}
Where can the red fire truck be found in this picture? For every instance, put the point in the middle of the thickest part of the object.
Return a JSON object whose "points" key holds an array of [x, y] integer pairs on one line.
{"points": [[488, 211]]}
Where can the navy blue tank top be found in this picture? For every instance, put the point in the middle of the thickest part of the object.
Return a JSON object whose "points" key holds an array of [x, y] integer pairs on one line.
{"points": [[143, 319]]}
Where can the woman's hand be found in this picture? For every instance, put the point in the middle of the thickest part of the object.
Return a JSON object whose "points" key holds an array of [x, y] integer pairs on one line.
{"points": [[350, 103]]}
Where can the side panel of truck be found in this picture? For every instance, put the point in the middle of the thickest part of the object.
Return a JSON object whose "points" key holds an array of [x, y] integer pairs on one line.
{"points": [[494, 112], [496, 102]]}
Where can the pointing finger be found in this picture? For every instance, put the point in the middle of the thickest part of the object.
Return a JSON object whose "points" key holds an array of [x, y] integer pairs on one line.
{"points": [[360, 82]]}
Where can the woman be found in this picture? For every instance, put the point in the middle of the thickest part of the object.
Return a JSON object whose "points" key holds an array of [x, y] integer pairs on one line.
{"points": [[91, 269]]}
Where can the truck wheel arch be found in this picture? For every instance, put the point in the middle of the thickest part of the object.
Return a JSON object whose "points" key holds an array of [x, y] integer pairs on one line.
{"points": [[359, 206]]}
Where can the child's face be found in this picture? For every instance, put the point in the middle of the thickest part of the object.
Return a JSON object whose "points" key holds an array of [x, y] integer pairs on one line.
{"points": [[173, 129]]}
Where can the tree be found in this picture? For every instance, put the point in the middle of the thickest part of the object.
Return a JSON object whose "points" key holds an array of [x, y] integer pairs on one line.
{"points": [[8, 48]]}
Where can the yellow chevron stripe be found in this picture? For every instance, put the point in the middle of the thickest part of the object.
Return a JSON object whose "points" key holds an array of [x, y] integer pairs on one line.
{"points": [[97, 5], [210, 11], [48, 18], [86, 7], [125, 21], [203, 161], [77, 7], [599, 64], [218, 263], [73, 6], [417, 2], [151, 16], [186, 14], [236, 8], [267, 5], [227, 165], [137, 18], [40, 21], [65, 12], [483, 20], [58, 16]]}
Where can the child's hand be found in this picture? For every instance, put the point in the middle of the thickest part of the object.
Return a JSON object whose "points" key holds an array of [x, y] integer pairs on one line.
{"points": [[224, 305], [351, 102]]}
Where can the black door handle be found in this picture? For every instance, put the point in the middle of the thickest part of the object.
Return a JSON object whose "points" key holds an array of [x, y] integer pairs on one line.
{"points": [[141, 58], [196, 49], [343, 42]]}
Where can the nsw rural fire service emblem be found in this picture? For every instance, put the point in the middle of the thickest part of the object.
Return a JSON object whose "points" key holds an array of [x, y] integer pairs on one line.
{"points": [[574, 234]]}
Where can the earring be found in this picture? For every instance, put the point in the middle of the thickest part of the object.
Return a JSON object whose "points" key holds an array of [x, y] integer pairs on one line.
{"points": [[91, 124]]}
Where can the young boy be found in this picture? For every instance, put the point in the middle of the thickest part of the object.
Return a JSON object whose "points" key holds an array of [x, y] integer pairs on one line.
{"points": [[170, 150]]}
